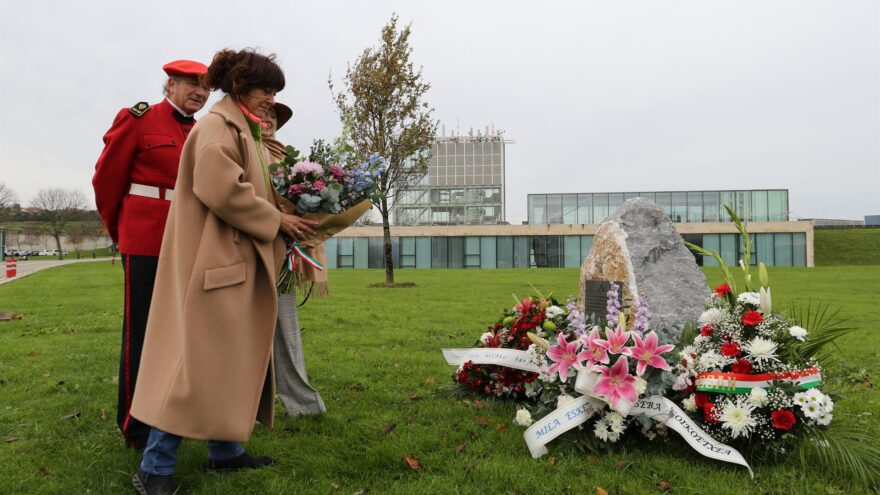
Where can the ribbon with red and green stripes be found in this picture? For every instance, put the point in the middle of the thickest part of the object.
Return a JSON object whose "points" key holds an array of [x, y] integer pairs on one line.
{"points": [[738, 383], [294, 252]]}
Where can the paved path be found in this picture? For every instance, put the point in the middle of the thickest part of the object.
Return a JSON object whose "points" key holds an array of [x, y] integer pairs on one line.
{"points": [[26, 268]]}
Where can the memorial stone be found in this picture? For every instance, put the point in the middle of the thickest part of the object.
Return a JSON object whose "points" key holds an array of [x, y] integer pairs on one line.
{"points": [[639, 247]]}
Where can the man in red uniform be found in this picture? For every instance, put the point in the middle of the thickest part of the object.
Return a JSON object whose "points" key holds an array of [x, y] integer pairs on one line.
{"points": [[134, 183]]}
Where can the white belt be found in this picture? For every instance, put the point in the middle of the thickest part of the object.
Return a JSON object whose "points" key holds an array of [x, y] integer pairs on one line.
{"points": [[151, 191]]}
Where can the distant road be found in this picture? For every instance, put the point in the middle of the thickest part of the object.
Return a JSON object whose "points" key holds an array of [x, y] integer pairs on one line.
{"points": [[26, 268]]}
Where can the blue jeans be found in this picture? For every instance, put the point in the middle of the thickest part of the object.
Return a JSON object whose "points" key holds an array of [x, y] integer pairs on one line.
{"points": [[160, 455]]}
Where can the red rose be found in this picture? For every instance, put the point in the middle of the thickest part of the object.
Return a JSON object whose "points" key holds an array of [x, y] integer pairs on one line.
{"points": [[783, 419], [730, 349], [752, 318], [723, 289], [701, 399], [707, 330], [742, 366], [709, 413]]}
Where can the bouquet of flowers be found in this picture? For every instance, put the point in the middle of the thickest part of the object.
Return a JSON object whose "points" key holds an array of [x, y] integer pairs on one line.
{"points": [[511, 331], [611, 374], [753, 378], [330, 187]]}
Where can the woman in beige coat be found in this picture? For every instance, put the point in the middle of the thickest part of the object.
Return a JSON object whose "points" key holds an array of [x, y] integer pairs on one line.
{"points": [[206, 370]]}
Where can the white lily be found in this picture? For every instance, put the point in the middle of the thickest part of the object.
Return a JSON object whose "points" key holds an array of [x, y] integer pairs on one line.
{"points": [[765, 301]]}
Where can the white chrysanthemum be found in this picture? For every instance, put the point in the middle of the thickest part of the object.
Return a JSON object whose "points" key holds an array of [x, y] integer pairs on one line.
{"points": [[814, 395], [689, 404], [486, 336], [640, 385], [752, 298], [712, 316], [760, 350], [554, 311], [758, 397], [824, 419], [615, 422], [800, 399], [736, 416], [712, 360], [798, 332], [812, 410], [523, 418], [699, 340], [563, 399], [600, 431], [827, 404]]}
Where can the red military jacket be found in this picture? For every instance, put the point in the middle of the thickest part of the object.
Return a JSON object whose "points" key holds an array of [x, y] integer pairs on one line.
{"points": [[141, 147]]}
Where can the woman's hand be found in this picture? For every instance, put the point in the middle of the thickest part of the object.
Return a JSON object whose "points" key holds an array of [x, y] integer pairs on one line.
{"points": [[296, 227]]}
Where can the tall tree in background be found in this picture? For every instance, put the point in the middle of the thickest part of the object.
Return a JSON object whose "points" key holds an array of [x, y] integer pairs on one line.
{"points": [[7, 199], [58, 207], [383, 112]]}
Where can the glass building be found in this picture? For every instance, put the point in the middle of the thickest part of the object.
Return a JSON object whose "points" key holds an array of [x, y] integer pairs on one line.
{"points": [[562, 226], [464, 184], [758, 205]]}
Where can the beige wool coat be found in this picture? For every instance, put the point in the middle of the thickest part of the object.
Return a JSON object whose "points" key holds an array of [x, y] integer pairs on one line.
{"points": [[206, 370]]}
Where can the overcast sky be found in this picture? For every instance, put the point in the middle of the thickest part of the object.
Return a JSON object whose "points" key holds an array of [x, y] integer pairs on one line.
{"points": [[598, 95]]}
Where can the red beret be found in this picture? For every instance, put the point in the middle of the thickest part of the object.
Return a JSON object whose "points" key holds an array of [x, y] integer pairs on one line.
{"points": [[185, 68]]}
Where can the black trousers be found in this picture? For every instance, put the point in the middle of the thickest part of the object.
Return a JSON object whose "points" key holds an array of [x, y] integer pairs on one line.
{"points": [[140, 275]]}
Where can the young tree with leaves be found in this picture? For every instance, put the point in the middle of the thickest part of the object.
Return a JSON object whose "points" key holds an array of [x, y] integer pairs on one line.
{"points": [[383, 110], [58, 208]]}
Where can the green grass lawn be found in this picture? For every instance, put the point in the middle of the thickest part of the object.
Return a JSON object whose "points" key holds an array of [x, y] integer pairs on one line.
{"points": [[375, 356], [847, 247]]}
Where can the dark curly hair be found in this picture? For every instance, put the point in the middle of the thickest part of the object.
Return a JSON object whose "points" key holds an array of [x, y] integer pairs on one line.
{"points": [[236, 73]]}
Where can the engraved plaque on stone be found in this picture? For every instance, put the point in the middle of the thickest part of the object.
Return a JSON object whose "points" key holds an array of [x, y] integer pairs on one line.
{"points": [[596, 297]]}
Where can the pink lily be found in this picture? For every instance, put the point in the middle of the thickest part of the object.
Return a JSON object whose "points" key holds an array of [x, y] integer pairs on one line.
{"points": [[616, 383], [564, 355], [648, 354], [593, 351], [615, 340]]}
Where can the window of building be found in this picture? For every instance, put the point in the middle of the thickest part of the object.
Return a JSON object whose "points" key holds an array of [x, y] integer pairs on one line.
{"points": [[554, 208], [585, 209], [695, 206]]}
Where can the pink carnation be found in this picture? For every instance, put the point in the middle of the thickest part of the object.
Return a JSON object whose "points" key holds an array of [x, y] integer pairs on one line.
{"points": [[308, 168], [319, 184]]}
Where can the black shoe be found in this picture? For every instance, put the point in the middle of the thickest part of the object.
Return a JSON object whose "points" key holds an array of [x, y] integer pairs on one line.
{"points": [[151, 484], [244, 461]]}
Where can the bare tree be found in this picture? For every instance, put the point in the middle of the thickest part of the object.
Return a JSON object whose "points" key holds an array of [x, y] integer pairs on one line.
{"points": [[383, 112], [7, 196], [58, 207], [76, 235]]}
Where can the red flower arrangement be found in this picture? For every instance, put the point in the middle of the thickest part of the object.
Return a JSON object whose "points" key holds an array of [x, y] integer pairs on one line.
{"points": [[722, 290], [783, 419], [752, 318]]}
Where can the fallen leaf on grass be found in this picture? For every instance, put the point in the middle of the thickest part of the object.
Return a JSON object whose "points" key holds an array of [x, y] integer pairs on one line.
{"points": [[600, 491], [409, 420], [415, 397], [622, 464], [33, 354], [664, 485], [389, 428], [501, 427], [430, 380], [69, 416], [357, 387], [103, 415], [479, 405], [593, 459], [552, 460], [482, 420], [360, 492], [473, 436], [71, 331], [10, 439], [334, 485], [413, 462], [44, 470], [461, 448]]}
